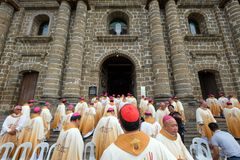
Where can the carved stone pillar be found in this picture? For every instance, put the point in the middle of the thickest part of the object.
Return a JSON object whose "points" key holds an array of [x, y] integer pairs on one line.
{"points": [[181, 73], [161, 83], [74, 65], [53, 78]]}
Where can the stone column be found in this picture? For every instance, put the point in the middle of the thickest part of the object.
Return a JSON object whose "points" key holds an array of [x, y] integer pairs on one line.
{"points": [[6, 14], [181, 73], [230, 53], [232, 8], [74, 66], [53, 78], [161, 84]]}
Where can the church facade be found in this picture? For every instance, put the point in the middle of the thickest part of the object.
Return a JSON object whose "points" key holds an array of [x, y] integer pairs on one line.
{"points": [[70, 48]]}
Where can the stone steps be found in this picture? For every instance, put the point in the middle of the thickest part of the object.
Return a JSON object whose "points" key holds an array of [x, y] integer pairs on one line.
{"points": [[190, 127], [191, 130]]}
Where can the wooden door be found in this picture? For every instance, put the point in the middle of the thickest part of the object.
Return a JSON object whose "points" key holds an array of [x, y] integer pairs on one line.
{"points": [[28, 86]]}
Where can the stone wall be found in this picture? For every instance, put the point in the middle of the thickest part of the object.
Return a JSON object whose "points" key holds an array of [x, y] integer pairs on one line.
{"points": [[215, 50]]}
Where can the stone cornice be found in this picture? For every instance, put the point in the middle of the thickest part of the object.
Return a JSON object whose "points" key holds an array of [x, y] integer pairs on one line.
{"points": [[122, 5], [196, 54], [161, 2], [29, 4], [222, 3], [42, 55], [201, 37], [115, 38], [14, 3], [38, 39], [74, 3]]}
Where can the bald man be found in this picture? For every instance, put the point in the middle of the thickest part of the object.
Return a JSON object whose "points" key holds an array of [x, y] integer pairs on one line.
{"points": [[171, 139]]}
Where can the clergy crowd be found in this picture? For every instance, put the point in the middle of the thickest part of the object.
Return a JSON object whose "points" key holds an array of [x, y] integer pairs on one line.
{"points": [[122, 128]]}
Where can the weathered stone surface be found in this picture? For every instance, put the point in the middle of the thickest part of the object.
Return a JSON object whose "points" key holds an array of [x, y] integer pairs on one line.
{"points": [[166, 56]]}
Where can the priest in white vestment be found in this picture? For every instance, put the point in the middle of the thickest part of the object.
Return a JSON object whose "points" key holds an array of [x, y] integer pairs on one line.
{"points": [[161, 112], [150, 126], [150, 108], [234, 101], [171, 139], [81, 105], [12, 126], [213, 104], [99, 110], [69, 113], [87, 122], [70, 143], [131, 99], [204, 117], [106, 132], [47, 117], [59, 115], [26, 108], [134, 144], [232, 116], [143, 105], [34, 131], [110, 105], [222, 100]]}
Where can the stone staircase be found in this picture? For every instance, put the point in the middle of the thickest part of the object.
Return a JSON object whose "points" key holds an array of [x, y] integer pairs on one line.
{"points": [[191, 130]]}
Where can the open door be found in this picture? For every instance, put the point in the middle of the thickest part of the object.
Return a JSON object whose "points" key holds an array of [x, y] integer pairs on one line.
{"points": [[208, 83], [117, 76]]}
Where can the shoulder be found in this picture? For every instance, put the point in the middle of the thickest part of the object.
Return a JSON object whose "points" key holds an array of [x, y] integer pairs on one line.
{"points": [[110, 151]]}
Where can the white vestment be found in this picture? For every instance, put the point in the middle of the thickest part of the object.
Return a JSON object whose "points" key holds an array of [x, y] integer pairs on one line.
{"points": [[106, 132], [69, 145], [222, 101], [104, 101], [155, 150], [235, 102], [47, 117], [151, 108], [176, 147], [33, 132], [110, 106], [17, 122], [203, 118], [160, 114], [150, 129], [80, 107], [132, 100], [59, 116], [122, 103], [26, 112]]}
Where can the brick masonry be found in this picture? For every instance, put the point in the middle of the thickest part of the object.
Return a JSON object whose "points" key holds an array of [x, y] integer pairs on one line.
{"points": [[166, 56]]}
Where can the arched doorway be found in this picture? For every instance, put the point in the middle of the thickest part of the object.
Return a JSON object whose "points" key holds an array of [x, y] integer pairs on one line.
{"points": [[209, 82], [117, 76]]}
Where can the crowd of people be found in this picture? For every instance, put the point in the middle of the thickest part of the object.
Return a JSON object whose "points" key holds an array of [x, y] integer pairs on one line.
{"points": [[120, 127]]}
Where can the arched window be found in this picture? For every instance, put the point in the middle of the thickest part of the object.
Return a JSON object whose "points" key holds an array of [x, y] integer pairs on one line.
{"points": [[43, 28], [197, 24], [118, 27], [194, 27], [118, 23], [40, 25]]}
